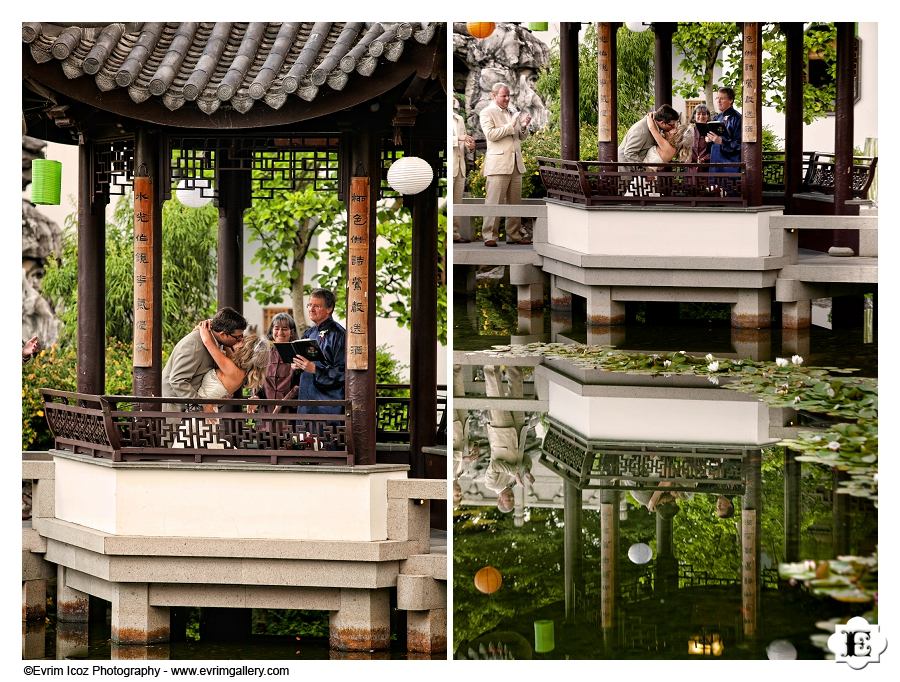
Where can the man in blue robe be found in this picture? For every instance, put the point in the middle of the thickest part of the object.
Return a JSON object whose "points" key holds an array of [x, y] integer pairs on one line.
{"points": [[323, 379], [727, 147]]}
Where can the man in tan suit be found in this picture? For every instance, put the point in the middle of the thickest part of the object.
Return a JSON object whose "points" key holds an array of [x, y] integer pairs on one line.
{"points": [[504, 130], [189, 361], [461, 142]]}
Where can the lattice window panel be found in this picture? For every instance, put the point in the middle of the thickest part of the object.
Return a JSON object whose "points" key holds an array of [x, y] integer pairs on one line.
{"points": [[113, 167]]}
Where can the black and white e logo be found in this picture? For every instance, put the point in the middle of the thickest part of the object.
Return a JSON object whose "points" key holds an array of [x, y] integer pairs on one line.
{"points": [[857, 643]]}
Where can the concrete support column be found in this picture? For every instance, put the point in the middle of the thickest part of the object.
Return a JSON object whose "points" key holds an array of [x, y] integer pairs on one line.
{"points": [[753, 309], [602, 310], [34, 600], [529, 323], [560, 323], [560, 300], [529, 282], [34, 641], [72, 640], [363, 622], [426, 631], [409, 520], [71, 604], [605, 336], [134, 621], [795, 342], [796, 314], [125, 652]]}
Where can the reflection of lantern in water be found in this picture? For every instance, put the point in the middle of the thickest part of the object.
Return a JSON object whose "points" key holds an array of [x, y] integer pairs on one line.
{"points": [[480, 29], [640, 553], [704, 644], [781, 650], [488, 580]]}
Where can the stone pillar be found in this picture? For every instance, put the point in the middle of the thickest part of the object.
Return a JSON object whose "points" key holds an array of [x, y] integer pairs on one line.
{"points": [[72, 640], [753, 309], [134, 620], [91, 365], [755, 344], [426, 631], [34, 600], [125, 652], [560, 300], [795, 342], [34, 640], [71, 604], [529, 282], [529, 323], [796, 314], [605, 336], [363, 622], [602, 310], [572, 568]]}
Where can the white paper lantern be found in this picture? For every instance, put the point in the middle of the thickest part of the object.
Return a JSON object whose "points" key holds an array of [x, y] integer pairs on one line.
{"points": [[781, 650], [637, 26], [640, 553], [410, 175], [193, 198]]}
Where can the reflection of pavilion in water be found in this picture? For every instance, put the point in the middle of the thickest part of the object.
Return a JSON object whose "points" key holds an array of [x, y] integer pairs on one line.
{"points": [[606, 435]]}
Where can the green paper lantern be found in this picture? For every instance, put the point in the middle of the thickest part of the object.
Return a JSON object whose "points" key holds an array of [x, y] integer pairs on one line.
{"points": [[537, 26], [46, 181], [543, 636]]}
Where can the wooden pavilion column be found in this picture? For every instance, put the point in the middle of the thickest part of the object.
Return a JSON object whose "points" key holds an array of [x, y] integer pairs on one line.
{"points": [[751, 147], [662, 88], [607, 118], [751, 519], [423, 332], [843, 132], [234, 198], [360, 383], [91, 365], [568, 90], [148, 380], [793, 113]]}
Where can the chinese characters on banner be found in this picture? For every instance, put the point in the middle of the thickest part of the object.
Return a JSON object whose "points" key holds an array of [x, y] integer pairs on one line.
{"points": [[751, 80], [358, 276], [604, 84], [143, 271]]}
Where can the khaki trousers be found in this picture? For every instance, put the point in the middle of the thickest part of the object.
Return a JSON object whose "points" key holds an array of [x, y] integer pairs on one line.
{"points": [[503, 189], [459, 186]]}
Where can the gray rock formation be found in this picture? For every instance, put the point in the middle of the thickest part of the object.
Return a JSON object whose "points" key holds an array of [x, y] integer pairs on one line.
{"points": [[511, 55], [41, 238]]}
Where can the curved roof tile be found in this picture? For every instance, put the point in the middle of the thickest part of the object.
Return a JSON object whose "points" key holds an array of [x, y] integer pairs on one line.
{"points": [[214, 63]]}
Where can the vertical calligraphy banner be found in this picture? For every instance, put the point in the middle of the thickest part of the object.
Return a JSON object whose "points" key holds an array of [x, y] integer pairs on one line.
{"points": [[604, 83], [358, 275], [143, 272], [751, 82]]}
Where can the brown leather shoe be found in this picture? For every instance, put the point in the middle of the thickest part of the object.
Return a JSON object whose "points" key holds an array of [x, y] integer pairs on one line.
{"points": [[461, 240], [490, 242], [523, 242]]}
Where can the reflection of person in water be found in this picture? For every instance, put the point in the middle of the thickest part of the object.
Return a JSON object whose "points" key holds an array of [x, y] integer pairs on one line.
{"points": [[663, 501], [507, 432]]}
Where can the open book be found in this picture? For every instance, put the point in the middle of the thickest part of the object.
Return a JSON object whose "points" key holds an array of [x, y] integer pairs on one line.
{"points": [[716, 127], [307, 348]]}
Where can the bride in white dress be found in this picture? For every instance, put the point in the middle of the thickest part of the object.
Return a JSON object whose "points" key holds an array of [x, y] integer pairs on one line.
{"points": [[668, 145]]}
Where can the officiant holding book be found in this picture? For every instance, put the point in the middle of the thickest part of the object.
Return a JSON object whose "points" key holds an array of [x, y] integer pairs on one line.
{"points": [[323, 377]]}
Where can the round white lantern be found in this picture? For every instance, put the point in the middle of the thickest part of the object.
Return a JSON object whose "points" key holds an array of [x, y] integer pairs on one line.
{"points": [[781, 650], [410, 175], [637, 26], [640, 553], [193, 198]]}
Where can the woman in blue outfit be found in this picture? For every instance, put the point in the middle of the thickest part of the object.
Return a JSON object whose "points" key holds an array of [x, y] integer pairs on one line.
{"points": [[323, 379]]}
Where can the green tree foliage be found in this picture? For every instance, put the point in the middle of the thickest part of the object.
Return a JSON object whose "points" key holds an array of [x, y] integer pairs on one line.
{"points": [[281, 230], [189, 267], [393, 264], [703, 46]]}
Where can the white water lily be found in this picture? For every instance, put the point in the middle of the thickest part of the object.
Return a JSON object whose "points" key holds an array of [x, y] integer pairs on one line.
{"points": [[682, 352], [830, 392], [797, 360], [738, 362], [710, 357], [796, 399], [667, 363], [834, 445], [713, 366], [781, 362], [713, 380]]}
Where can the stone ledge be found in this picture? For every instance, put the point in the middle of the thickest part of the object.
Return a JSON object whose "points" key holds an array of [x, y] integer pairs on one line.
{"points": [[417, 488], [420, 593], [245, 548], [38, 469], [32, 541], [432, 565]]}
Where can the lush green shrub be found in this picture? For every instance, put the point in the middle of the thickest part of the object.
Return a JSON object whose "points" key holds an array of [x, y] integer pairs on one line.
{"points": [[55, 367]]}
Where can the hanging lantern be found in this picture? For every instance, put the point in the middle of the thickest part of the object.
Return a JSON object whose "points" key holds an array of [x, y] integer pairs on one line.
{"points": [[538, 26], [637, 26], [781, 650], [193, 197], [480, 29], [488, 580], [543, 636], [410, 175], [46, 181], [640, 553]]}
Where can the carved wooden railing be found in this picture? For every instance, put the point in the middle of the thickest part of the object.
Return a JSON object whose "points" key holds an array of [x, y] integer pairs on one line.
{"points": [[392, 414], [599, 183], [818, 173], [130, 428]]}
